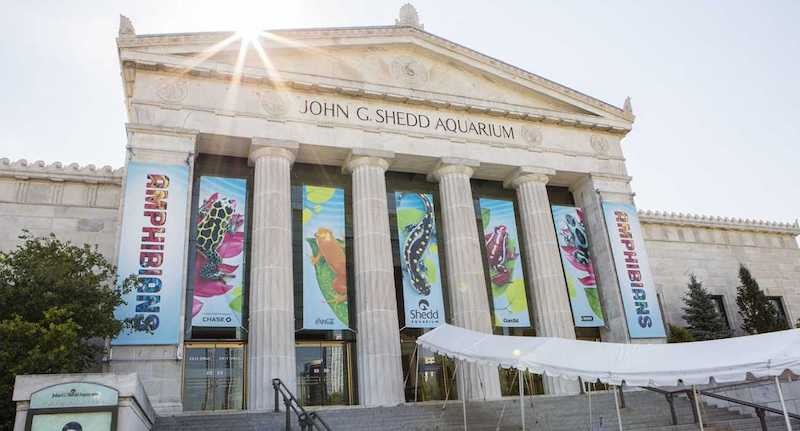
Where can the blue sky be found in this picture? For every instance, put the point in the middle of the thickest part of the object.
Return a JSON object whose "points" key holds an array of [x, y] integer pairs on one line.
{"points": [[714, 84]]}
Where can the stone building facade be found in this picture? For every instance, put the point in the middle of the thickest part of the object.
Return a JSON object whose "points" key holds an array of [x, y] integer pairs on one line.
{"points": [[373, 112], [712, 248]]}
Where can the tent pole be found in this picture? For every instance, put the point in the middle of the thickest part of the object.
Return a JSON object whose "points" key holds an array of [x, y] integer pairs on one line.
{"points": [[416, 374], [522, 397], [589, 395], [783, 404], [446, 390], [616, 405], [463, 380], [697, 407]]}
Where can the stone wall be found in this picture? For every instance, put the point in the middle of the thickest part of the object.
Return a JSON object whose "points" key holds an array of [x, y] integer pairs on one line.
{"points": [[712, 248], [77, 203]]}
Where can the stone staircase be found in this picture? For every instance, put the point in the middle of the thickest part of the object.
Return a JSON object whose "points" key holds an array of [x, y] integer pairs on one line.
{"points": [[643, 411]]}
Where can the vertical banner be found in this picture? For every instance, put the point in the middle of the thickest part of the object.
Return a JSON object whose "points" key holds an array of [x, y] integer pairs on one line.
{"points": [[324, 262], [151, 247], [633, 271], [573, 244], [504, 263], [419, 260], [218, 271]]}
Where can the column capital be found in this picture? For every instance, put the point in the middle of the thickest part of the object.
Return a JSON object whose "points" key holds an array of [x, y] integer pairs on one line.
{"points": [[453, 165], [366, 157], [262, 147], [161, 144], [525, 174], [605, 185]]}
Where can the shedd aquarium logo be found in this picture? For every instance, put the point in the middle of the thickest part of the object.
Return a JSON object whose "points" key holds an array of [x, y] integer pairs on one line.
{"points": [[423, 313]]}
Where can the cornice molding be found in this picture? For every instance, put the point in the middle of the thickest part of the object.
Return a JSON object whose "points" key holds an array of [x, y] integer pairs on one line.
{"points": [[327, 85], [380, 35], [715, 222], [210, 38], [22, 169]]}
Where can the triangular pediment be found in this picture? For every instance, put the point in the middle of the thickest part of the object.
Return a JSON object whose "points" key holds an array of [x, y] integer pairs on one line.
{"points": [[391, 59]]}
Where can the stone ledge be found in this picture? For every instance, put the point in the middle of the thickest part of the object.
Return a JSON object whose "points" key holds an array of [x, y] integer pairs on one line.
{"points": [[22, 169], [716, 222]]}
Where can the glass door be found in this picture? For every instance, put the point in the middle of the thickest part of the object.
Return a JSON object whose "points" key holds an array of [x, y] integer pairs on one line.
{"points": [[434, 380], [213, 377], [324, 373]]}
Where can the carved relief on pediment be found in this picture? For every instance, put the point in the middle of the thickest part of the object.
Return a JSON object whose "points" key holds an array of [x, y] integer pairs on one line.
{"points": [[532, 137], [410, 70], [172, 90], [274, 104], [599, 144]]}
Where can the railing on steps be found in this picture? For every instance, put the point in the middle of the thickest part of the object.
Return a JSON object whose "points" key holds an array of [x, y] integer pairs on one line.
{"points": [[761, 410], [309, 421]]}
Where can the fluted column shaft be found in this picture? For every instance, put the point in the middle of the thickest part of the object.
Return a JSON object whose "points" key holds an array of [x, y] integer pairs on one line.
{"points": [[380, 371], [467, 284], [271, 344], [589, 193], [552, 315]]}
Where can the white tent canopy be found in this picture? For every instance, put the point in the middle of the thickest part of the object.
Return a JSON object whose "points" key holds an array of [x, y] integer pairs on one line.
{"points": [[725, 360]]}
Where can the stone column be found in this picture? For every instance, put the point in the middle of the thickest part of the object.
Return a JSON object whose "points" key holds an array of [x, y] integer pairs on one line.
{"points": [[159, 367], [552, 314], [465, 277], [380, 371], [587, 192], [271, 346]]}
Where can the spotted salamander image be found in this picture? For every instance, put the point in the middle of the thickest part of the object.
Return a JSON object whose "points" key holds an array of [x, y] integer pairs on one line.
{"points": [[418, 239]]}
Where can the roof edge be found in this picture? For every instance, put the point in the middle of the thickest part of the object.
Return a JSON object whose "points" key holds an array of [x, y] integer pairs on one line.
{"points": [[731, 223], [57, 171], [134, 40]]}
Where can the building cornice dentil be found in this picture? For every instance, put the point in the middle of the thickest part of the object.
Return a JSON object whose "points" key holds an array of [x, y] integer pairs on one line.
{"points": [[22, 169], [715, 222]]}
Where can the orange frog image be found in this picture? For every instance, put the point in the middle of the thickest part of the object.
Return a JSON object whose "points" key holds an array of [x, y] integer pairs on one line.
{"points": [[333, 253]]}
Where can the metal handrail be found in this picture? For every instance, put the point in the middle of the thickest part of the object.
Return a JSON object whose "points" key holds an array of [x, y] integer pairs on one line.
{"points": [[760, 409], [308, 421]]}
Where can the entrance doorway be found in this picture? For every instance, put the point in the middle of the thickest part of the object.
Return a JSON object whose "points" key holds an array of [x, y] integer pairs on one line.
{"points": [[434, 380], [213, 377], [324, 370]]}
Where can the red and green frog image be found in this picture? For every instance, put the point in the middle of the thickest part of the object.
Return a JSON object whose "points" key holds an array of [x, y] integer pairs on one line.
{"points": [[498, 254]]}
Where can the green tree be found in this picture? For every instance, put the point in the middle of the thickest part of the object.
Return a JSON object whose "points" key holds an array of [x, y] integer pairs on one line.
{"points": [[57, 304], [705, 323], [679, 334], [758, 314]]}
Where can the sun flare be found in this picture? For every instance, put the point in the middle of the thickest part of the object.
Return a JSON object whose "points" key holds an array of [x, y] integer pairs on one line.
{"points": [[249, 33]]}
